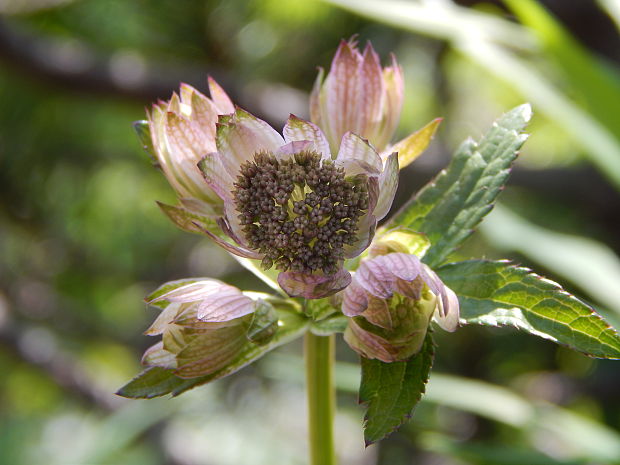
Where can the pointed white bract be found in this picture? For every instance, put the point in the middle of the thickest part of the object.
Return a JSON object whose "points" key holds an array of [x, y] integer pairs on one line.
{"points": [[391, 301]]}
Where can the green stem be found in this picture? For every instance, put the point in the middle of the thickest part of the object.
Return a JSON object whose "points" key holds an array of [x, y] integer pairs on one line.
{"points": [[319, 355]]}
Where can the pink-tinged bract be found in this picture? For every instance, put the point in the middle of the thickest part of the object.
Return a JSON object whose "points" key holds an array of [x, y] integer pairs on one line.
{"points": [[358, 96], [183, 131]]}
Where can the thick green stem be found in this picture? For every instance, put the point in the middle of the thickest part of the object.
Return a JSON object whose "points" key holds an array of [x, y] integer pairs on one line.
{"points": [[319, 354]]}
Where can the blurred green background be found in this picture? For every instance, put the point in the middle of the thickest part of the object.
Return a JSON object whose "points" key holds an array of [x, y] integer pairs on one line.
{"points": [[82, 240]]}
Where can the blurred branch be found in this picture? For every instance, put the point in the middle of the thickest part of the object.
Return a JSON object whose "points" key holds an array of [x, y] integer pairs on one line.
{"points": [[121, 426], [72, 66], [58, 367]]}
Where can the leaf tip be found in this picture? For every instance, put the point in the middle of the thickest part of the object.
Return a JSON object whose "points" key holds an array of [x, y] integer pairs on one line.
{"points": [[526, 111], [123, 392]]}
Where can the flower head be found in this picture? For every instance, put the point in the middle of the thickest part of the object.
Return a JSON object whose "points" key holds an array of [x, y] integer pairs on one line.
{"points": [[391, 301], [358, 95], [204, 326], [182, 132], [290, 203]]}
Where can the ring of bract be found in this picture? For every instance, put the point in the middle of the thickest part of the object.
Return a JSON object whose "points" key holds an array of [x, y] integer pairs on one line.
{"points": [[299, 212]]}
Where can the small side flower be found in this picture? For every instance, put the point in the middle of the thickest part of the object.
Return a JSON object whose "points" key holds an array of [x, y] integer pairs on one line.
{"points": [[182, 131], [204, 326], [391, 301]]}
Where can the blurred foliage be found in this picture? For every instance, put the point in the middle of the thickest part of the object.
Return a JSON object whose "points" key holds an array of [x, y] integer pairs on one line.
{"points": [[82, 240]]}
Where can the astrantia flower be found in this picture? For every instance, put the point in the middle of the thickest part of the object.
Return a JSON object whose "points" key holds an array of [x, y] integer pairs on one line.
{"points": [[391, 300], [358, 95], [182, 132], [291, 203], [204, 326]]}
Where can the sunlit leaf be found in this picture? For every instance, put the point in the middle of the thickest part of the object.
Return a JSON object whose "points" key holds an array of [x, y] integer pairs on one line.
{"points": [[443, 20], [612, 8], [600, 144], [496, 293], [453, 203]]}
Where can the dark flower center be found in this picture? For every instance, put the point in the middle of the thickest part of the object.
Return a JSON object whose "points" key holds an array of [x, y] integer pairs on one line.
{"points": [[299, 212]]}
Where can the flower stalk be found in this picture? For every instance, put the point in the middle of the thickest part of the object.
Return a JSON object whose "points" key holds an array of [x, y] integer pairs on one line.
{"points": [[319, 352]]}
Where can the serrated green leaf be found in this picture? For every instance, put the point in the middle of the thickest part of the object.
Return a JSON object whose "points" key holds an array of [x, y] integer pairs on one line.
{"points": [[155, 382], [497, 293], [593, 266], [391, 391], [450, 206]]}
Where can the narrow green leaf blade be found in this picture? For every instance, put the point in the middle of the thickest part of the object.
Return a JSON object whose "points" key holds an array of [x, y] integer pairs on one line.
{"points": [[391, 391], [155, 382], [449, 207], [596, 82], [496, 293]]}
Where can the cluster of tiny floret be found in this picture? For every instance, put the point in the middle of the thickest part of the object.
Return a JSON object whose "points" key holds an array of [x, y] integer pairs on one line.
{"points": [[299, 212]]}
